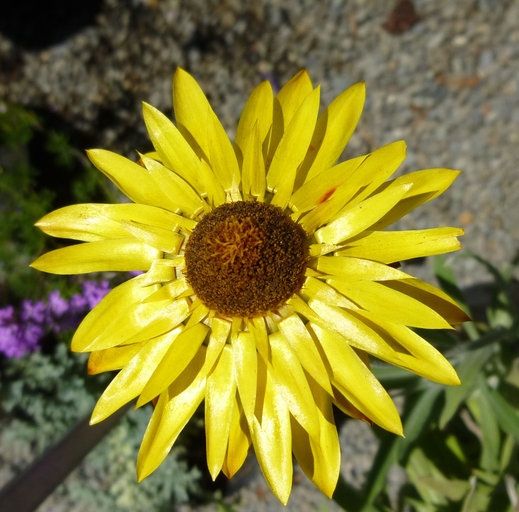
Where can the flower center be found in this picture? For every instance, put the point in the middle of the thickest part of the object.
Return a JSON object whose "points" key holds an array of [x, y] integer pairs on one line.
{"points": [[246, 258]]}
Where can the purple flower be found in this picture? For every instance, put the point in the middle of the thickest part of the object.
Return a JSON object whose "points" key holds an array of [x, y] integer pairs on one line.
{"points": [[16, 340], [94, 292], [31, 335], [57, 304], [7, 315], [9, 343], [21, 333], [34, 311], [77, 304]]}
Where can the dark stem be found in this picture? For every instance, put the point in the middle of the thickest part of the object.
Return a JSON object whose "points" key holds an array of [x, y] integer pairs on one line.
{"points": [[29, 489]]}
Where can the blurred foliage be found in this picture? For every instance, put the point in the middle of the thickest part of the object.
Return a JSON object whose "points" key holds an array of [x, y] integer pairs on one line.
{"points": [[44, 395], [39, 171], [460, 449]]}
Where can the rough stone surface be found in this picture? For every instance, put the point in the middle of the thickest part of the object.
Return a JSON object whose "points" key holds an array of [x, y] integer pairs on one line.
{"points": [[447, 84]]}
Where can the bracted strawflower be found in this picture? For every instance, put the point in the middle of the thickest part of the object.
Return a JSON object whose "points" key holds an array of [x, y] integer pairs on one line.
{"points": [[269, 279]]}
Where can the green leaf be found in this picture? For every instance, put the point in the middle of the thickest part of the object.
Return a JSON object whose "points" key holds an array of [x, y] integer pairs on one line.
{"points": [[453, 489], [448, 283], [393, 449], [506, 415], [426, 478], [469, 503], [468, 372], [506, 453], [479, 407], [488, 477], [455, 447]]}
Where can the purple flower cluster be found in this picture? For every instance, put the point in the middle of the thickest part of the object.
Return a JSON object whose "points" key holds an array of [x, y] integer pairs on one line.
{"points": [[21, 331]]}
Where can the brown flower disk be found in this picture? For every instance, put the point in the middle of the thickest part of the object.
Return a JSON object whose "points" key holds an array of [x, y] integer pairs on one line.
{"points": [[246, 258]]}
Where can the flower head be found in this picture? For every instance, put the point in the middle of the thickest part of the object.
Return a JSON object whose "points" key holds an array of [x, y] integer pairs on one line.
{"points": [[269, 279]]}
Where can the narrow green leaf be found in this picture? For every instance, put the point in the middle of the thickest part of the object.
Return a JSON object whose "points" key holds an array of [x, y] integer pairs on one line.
{"points": [[469, 503], [468, 371], [416, 505], [393, 449], [426, 478], [453, 490], [488, 477], [454, 446], [481, 409], [506, 453], [506, 415]]}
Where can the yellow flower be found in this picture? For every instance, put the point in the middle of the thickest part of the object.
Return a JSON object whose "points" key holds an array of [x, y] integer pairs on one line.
{"points": [[269, 279]]}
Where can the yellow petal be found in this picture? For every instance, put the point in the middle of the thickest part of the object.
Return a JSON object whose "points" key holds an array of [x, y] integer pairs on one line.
{"points": [[173, 150], [334, 129], [113, 306], [292, 95], [348, 371], [292, 149], [299, 305], [292, 384], [319, 457], [356, 269], [198, 122], [425, 186], [217, 339], [318, 191], [121, 254], [286, 103], [174, 408], [239, 441], [93, 222], [175, 361], [172, 290], [140, 323], [361, 216], [181, 196], [393, 246], [159, 237], [133, 180], [352, 181], [256, 115], [253, 167], [423, 359], [375, 169], [259, 330], [130, 381], [295, 332], [272, 440], [219, 405], [345, 406], [222, 156], [322, 249], [245, 367], [404, 309], [316, 289], [357, 333], [161, 271], [215, 192], [432, 297], [110, 359]]}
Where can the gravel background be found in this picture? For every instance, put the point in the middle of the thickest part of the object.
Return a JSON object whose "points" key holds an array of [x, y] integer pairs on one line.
{"points": [[445, 80]]}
